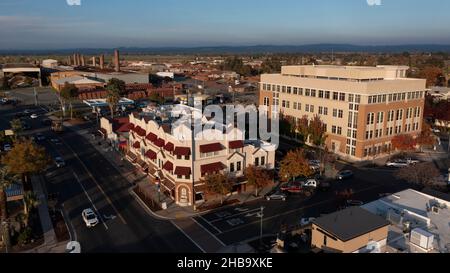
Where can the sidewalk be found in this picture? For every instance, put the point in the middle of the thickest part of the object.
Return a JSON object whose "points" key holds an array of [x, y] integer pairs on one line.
{"points": [[51, 244], [138, 178]]}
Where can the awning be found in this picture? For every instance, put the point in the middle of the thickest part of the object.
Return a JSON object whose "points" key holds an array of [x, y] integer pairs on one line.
{"points": [[152, 137], [212, 168], [236, 144], [137, 145], [183, 171], [159, 142], [182, 151], [151, 154], [139, 131], [169, 147], [168, 166], [210, 148]]}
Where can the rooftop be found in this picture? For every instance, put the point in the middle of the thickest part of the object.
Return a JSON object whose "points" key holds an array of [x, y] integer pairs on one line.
{"points": [[350, 223]]}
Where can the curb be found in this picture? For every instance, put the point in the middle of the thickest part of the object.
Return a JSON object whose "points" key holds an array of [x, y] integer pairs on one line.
{"points": [[143, 205]]}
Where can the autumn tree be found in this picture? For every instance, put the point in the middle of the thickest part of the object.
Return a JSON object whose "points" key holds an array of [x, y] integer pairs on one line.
{"points": [[6, 180], [425, 138], [295, 165], [257, 177], [218, 183], [422, 174], [155, 97], [302, 127], [317, 131], [25, 159], [69, 93], [30, 201], [404, 143], [433, 75], [16, 127], [117, 86]]}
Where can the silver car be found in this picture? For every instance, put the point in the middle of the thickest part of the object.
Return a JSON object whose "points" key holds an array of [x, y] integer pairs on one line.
{"points": [[276, 195]]}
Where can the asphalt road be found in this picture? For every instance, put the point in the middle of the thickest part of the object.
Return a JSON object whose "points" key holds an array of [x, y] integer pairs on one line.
{"points": [[90, 181], [241, 223]]}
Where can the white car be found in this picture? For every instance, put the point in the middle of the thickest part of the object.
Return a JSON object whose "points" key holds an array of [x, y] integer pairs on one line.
{"points": [[34, 116], [59, 161], [7, 147], [89, 218], [311, 183], [306, 221]]}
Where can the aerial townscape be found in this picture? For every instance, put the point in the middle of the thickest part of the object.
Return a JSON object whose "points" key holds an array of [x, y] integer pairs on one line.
{"points": [[219, 132]]}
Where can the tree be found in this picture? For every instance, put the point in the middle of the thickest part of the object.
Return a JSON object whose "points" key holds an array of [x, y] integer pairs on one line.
{"points": [[295, 165], [433, 75], [5, 83], [6, 180], [112, 99], [16, 127], [155, 97], [25, 159], [218, 184], [404, 143], [421, 174], [257, 177], [302, 127], [116, 85], [425, 138], [317, 131], [68, 93], [30, 201]]}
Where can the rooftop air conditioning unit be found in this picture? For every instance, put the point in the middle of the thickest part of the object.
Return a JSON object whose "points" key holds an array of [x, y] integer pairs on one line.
{"points": [[422, 238]]}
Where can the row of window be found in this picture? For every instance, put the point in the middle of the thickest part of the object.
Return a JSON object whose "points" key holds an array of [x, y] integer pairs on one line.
{"points": [[337, 130], [397, 115], [396, 97], [260, 161], [238, 167], [307, 92], [376, 150], [337, 113], [393, 130]]}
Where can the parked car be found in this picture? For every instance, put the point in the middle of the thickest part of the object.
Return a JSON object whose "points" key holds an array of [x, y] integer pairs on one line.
{"points": [[59, 161], [7, 147], [89, 218], [402, 163], [346, 174], [312, 183], [306, 221], [34, 116], [276, 195], [40, 137]]}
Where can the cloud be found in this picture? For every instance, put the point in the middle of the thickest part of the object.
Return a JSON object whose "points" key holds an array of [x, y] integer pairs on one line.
{"points": [[73, 2], [374, 2]]}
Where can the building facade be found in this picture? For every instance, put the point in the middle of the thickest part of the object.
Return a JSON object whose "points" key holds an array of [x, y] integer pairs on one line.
{"points": [[363, 107], [168, 150]]}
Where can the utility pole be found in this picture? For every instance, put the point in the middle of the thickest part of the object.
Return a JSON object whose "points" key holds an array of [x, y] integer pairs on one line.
{"points": [[36, 101], [261, 227]]}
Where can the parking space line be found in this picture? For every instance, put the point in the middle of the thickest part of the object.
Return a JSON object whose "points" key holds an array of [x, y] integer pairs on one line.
{"points": [[210, 233], [233, 216], [209, 223], [90, 200]]}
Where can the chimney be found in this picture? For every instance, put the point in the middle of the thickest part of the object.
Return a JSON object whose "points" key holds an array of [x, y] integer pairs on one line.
{"points": [[69, 60], [82, 60], [116, 60], [94, 61], [75, 59], [102, 61]]}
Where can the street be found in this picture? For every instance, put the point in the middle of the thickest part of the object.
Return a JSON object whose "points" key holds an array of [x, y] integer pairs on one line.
{"points": [[89, 181]]}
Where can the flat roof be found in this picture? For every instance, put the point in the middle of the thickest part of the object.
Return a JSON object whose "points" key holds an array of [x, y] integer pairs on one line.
{"points": [[350, 223]]}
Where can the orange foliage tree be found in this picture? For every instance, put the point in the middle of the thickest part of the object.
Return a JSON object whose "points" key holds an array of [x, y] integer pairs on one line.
{"points": [[404, 143]]}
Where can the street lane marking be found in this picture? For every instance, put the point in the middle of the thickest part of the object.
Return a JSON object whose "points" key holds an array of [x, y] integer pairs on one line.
{"points": [[215, 237], [234, 215], [96, 182], [209, 223], [90, 200], [185, 234], [292, 211]]}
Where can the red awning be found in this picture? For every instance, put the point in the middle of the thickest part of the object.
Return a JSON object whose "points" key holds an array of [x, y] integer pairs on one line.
{"points": [[123, 144], [169, 147], [159, 142], [236, 144], [182, 151], [210, 148], [137, 145], [139, 131], [212, 168], [168, 166], [183, 171], [151, 154], [152, 137]]}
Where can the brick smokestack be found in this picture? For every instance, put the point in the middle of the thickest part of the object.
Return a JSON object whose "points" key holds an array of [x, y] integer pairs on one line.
{"points": [[102, 61], [116, 61], [94, 61], [75, 59], [82, 60], [69, 60]]}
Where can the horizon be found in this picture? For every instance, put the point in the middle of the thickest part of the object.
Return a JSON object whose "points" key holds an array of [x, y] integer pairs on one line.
{"points": [[63, 24]]}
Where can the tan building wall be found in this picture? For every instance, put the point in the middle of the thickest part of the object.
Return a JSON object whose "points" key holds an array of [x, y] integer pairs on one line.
{"points": [[356, 89], [354, 245]]}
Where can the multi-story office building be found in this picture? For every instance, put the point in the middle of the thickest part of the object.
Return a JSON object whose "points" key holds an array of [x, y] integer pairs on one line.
{"points": [[363, 107], [165, 145]]}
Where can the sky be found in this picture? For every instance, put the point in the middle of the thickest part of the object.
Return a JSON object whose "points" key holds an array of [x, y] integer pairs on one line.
{"points": [[59, 24]]}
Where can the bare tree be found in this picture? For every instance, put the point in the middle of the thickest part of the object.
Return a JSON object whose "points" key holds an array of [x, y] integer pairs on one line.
{"points": [[423, 174]]}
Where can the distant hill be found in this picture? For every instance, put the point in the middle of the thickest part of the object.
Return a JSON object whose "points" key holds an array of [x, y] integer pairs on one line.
{"points": [[258, 49]]}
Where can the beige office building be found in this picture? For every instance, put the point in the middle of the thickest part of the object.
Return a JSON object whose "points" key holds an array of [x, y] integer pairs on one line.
{"points": [[363, 107]]}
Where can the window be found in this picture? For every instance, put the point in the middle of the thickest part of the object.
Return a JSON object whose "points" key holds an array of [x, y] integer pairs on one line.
{"points": [[327, 94], [268, 87], [263, 161], [300, 91], [307, 108], [264, 86], [325, 111], [288, 103], [232, 167], [335, 113], [370, 118], [351, 98], [238, 166], [295, 106], [311, 108], [358, 99], [380, 118], [313, 92], [341, 114], [334, 129], [289, 90], [339, 130], [391, 115], [390, 98], [307, 92], [257, 161], [278, 88], [321, 94], [399, 114], [320, 110], [295, 90], [335, 95], [283, 103], [283, 89]]}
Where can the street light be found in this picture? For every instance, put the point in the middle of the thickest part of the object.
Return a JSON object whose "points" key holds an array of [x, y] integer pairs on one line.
{"points": [[261, 226]]}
